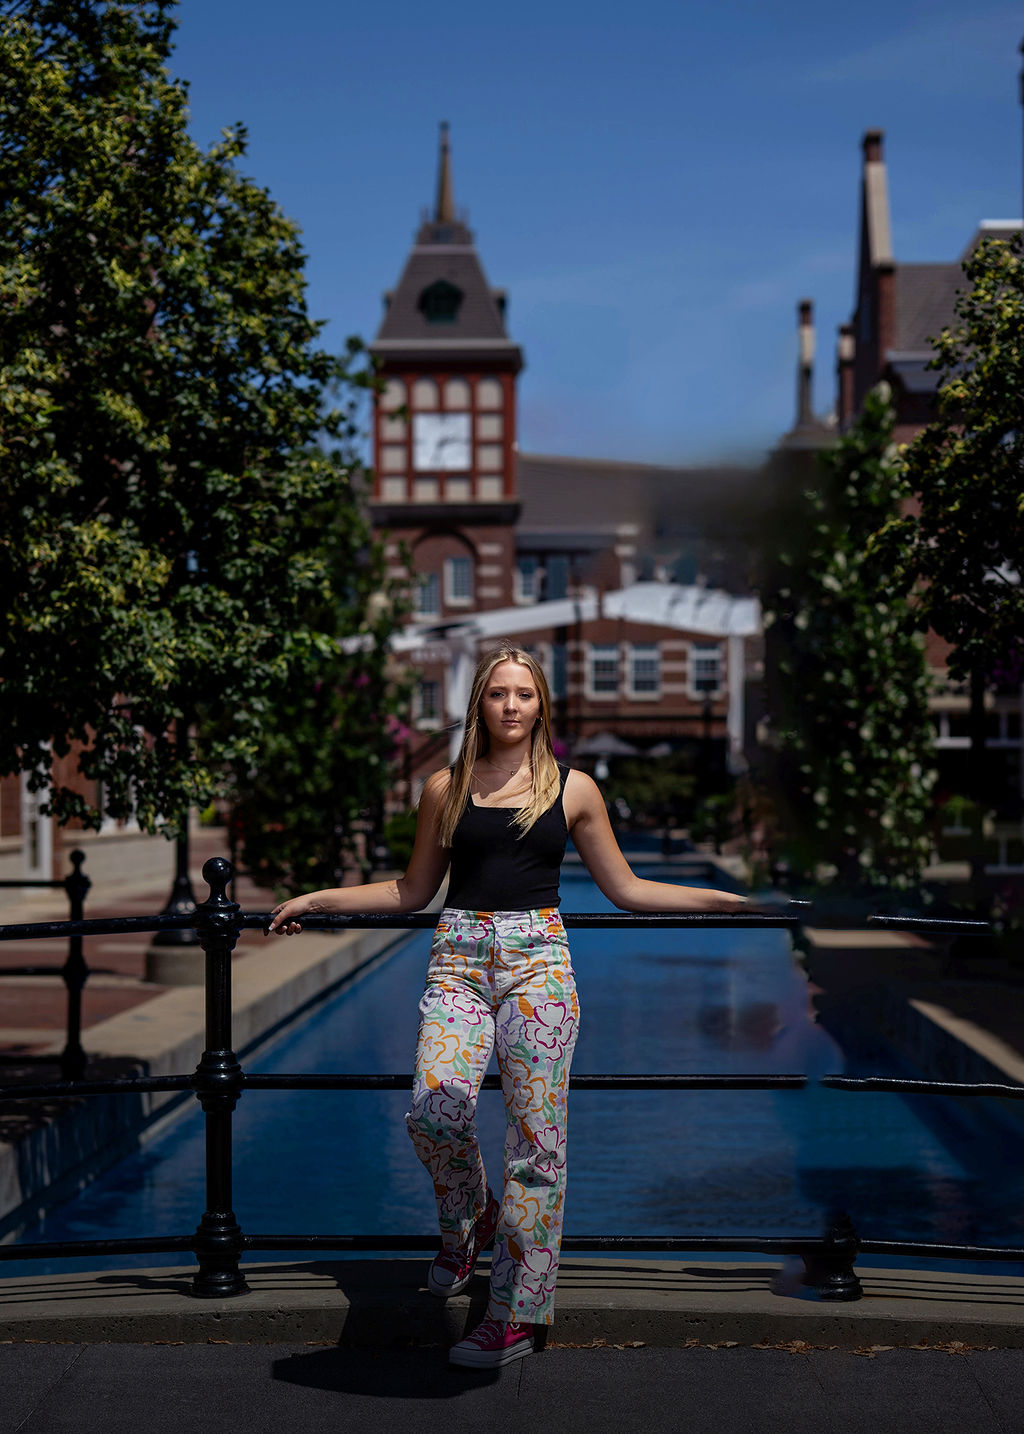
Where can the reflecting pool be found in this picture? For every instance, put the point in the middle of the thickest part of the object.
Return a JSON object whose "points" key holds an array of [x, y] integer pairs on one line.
{"points": [[716, 1163]]}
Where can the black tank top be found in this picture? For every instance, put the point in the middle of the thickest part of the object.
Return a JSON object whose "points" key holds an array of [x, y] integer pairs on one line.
{"points": [[495, 868]]}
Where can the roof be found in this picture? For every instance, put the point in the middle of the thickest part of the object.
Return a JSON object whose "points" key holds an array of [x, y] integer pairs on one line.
{"points": [[595, 495], [478, 320], [444, 254], [690, 609], [926, 297], [925, 302], [704, 612], [992, 229]]}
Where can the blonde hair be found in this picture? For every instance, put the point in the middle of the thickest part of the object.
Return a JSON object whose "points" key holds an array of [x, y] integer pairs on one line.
{"points": [[546, 780]]}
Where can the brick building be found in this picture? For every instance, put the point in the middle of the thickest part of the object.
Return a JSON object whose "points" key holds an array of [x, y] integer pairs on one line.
{"points": [[614, 574], [898, 307]]}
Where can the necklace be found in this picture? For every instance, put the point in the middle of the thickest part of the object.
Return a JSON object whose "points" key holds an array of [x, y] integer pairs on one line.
{"points": [[512, 771]]}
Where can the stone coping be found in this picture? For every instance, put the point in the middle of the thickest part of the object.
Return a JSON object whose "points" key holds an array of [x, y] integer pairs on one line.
{"points": [[383, 1302]]}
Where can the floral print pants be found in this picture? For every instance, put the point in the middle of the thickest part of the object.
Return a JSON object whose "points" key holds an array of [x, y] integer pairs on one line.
{"points": [[499, 980]]}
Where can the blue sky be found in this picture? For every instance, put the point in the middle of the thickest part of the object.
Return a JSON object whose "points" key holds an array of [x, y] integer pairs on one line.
{"points": [[655, 185]]}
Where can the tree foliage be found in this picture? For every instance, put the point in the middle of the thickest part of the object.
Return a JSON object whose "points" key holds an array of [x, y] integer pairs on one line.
{"points": [[963, 544], [179, 524], [846, 677]]}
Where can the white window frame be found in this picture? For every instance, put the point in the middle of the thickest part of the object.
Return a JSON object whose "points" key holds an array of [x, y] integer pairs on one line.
{"points": [[425, 581], [452, 598], [699, 650], [421, 717], [521, 597], [601, 651], [643, 651]]}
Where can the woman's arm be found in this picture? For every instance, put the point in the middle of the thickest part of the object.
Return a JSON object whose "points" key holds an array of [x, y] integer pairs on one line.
{"points": [[592, 834], [427, 866]]}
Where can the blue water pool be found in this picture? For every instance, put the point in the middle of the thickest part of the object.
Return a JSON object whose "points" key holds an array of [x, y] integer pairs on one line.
{"points": [[715, 1163]]}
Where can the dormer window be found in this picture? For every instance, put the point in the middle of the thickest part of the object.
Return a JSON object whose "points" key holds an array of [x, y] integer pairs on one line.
{"points": [[440, 302]]}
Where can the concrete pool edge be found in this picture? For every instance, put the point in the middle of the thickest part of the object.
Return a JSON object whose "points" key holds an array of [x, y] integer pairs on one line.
{"points": [[381, 1303]]}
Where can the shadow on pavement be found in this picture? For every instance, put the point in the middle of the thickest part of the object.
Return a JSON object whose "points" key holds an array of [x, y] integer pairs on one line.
{"points": [[386, 1374]]}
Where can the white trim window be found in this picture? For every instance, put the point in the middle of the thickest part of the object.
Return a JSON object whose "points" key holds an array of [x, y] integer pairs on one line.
{"points": [[527, 579], [458, 581], [707, 669], [427, 596], [603, 670], [644, 670], [426, 703]]}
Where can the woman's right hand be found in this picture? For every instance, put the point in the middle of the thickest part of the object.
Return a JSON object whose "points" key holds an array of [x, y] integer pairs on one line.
{"points": [[286, 917]]}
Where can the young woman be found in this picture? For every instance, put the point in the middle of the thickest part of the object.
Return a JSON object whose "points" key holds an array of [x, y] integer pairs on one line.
{"points": [[500, 978]]}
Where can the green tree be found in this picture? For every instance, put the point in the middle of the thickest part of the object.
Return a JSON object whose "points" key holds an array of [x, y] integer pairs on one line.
{"points": [[846, 677], [179, 515], [962, 543]]}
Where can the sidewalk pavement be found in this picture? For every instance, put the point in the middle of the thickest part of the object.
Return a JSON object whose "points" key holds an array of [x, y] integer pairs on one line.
{"points": [[701, 1385], [285, 1389], [655, 1346], [131, 876]]}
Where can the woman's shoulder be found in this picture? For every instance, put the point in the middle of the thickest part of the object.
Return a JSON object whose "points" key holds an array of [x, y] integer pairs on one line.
{"points": [[579, 794], [435, 788]]}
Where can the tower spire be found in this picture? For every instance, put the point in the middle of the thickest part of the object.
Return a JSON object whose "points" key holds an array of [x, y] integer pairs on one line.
{"points": [[444, 212]]}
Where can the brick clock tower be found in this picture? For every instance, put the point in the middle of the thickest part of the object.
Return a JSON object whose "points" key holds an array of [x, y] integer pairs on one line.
{"points": [[444, 442]]}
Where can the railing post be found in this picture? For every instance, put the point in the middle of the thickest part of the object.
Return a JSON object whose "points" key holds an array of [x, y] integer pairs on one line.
{"points": [[74, 973], [830, 1271], [217, 1083]]}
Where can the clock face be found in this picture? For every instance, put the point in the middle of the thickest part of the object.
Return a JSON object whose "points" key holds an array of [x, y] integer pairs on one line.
{"points": [[440, 442]]}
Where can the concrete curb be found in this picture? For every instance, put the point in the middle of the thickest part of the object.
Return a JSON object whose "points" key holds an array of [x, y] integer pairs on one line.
{"points": [[380, 1303]]}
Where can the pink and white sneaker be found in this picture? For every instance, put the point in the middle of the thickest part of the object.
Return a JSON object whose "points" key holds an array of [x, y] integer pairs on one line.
{"points": [[452, 1270], [493, 1344]]}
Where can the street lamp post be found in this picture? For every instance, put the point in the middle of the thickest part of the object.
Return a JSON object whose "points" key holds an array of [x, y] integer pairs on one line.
{"points": [[161, 965]]}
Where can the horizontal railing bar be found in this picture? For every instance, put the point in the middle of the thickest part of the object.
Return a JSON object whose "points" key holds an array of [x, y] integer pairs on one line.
{"points": [[719, 1244], [126, 1085], [425, 920], [122, 1085], [931, 1251], [53, 971], [59, 1249], [922, 1087], [94, 926], [409, 921], [36, 881], [623, 1081], [930, 923]]}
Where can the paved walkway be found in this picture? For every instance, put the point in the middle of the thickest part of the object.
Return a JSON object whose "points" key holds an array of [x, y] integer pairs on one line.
{"points": [[131, 876], [278, 1389], [650, 1346]]}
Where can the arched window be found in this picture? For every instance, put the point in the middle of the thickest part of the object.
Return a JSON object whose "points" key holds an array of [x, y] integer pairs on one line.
{"points": [[393, 396], [489, 393], [456, 393], [424, 393]]}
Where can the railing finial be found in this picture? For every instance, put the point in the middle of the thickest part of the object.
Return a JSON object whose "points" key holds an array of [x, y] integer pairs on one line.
{"points": [[217, 872]]}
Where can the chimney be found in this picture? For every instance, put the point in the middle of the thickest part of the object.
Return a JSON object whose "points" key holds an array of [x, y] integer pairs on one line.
{"points": [[805, 366], [872, 146], [846, 353]]}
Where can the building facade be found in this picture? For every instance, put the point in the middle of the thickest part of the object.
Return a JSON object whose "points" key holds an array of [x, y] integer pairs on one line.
{"points": [[898, 308], [613, 574]]}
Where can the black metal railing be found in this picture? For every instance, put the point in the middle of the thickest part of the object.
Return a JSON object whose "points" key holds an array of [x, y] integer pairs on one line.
{"points": [[74, 972], [219, 1242]]}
